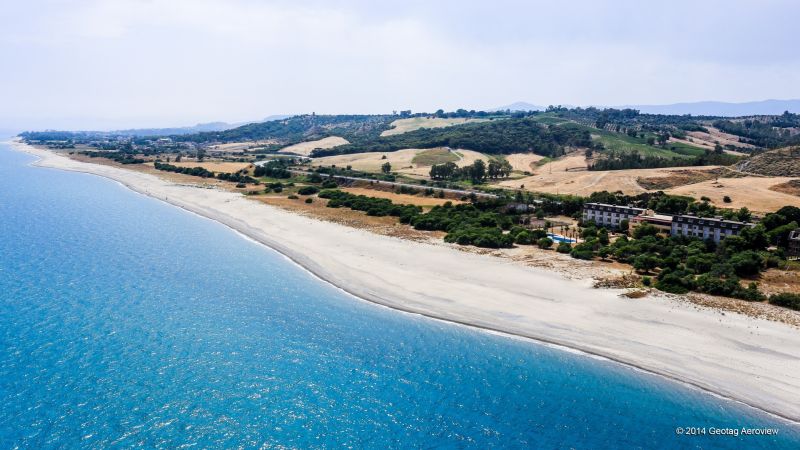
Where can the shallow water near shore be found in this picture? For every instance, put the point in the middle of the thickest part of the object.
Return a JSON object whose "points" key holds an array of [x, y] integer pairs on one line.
{"points": [[127, 322]]}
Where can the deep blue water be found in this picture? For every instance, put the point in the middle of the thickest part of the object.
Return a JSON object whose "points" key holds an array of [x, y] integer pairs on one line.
{"points": [[125, 322]]}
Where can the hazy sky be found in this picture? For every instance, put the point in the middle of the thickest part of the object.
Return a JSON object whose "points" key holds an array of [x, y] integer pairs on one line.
{"points": [[131, 63]]}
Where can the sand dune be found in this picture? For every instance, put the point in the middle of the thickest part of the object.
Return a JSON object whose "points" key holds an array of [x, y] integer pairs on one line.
{"points": [[753, 360]]}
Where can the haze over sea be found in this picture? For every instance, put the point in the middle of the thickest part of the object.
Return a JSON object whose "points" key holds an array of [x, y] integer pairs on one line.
{"points": [[126, 322]]}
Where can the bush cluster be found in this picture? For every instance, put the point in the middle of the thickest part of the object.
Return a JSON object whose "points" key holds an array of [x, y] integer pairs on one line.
{"points": [[194, 171], [371, 205], [787, 300], [277, 168]]}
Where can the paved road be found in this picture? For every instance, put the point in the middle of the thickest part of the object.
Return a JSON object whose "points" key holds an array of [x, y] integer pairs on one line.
{"points": [[394, 183]]}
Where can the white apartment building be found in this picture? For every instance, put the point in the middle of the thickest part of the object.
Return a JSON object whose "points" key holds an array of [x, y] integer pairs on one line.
{"points": [[705, 228], [609, 215]]}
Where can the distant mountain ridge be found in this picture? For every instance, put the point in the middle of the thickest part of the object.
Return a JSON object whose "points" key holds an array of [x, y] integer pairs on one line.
{"points": [[179, 131], [726, 109], [705, 108], [199, 128], [520, 106]]}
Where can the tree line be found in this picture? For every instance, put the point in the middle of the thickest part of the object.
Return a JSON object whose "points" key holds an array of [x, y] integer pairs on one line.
{"points": [[499, 136], [477, 172]]}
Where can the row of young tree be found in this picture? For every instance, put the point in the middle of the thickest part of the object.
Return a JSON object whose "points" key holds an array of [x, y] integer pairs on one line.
{"points": [[119, 157], [202, 172], [622, 160], [477, 172], [768, 132]]}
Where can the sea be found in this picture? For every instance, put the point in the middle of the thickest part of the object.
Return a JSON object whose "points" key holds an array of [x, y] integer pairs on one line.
{"points": [[126, 322]]}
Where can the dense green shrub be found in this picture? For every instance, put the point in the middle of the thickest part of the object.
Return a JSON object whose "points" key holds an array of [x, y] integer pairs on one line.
{"points": [[564, 247], [480, 237], [371, 205], [329, 184], [584, 250], [194, 171], [523, 237], [788, 300], [308, 190], [545, 243], [746, 263], [276, 168]]}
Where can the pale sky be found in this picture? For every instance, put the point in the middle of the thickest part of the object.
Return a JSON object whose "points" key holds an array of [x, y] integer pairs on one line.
{"points": [[92, 64]]}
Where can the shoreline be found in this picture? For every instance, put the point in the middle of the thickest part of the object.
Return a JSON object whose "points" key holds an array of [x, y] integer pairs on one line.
{"points": [[657, 335]]}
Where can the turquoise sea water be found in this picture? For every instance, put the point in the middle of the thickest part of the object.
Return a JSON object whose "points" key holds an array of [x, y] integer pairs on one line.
{"points": [[126, 322]]}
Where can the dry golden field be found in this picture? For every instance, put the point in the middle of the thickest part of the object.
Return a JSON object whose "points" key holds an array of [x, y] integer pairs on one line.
{"points": [[305, 148], [401, 126], [214, 166], [402, 161]]}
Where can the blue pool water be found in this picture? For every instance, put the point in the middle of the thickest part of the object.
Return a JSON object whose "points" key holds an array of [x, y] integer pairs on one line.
{"points": [[126, 322], [559, 238]]}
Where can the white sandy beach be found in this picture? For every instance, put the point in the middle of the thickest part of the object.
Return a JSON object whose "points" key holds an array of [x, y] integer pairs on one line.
{"points": [[755, 361]]}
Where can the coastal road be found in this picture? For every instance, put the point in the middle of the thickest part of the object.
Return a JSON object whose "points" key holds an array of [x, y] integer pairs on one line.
{"points": [[396, 184]]}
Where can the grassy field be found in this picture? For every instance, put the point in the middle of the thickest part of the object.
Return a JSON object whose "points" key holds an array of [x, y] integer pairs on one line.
{"points": [[434, 156], [624, 143], [547, 119], [401, 126]]}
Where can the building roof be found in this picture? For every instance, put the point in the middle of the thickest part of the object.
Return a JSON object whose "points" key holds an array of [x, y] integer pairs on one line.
{"points": [[722, 223], [606, 205], [658, 218]]}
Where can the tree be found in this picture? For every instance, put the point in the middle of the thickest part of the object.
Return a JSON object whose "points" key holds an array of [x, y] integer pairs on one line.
{"points": [[524, 237], [744, 214], [493, 169], [624, 224], [602, 236], [545, 243], [786, 299], [386, 167], [564, 247], [505, 168], [747, 263], [201, 154], [444, 171], [645, 263], [726, 199], [643, 230], [478, 171]]}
